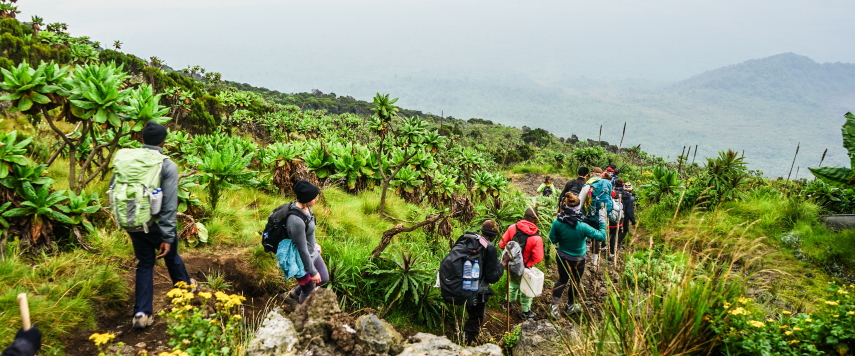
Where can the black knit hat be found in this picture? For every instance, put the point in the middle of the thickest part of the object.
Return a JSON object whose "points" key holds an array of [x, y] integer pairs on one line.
{"points": [[153, 133], [488, 229], [305, 191], [583, 171]]}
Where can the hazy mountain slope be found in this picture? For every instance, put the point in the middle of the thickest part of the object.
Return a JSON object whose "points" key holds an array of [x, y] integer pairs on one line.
{"points": [[764, 107]]}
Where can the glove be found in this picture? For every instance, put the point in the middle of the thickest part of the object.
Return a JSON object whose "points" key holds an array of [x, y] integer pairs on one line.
{"points": [[603, 215], [33, 336]]}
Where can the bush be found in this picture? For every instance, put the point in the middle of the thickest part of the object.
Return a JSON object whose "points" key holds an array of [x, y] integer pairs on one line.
{"points": [[744, 330]]}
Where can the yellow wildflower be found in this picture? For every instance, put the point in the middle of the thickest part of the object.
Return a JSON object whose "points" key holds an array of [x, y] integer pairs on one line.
{"points": [[205, 295], [180, 284], [743, 300], [175, 292], [784, 326], [796, 328], [188, 307], [738, 311], [223, 297], [808, 320], [794, 342], [101, 339], [708, 318], [726, 305], [788, 333], [842, 291], [237, 317], [770, 320], [213, 321], [850, 313], [835, 316], [786, 312], [756, 324], [831, 302]]}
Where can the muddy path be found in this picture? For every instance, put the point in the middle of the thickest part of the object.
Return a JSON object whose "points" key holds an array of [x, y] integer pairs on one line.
{"points": [[232, 264], [528, 182]]}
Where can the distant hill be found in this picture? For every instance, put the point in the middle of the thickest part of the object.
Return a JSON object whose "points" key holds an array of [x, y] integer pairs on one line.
{"points": [[783, 77], [764, 107]]}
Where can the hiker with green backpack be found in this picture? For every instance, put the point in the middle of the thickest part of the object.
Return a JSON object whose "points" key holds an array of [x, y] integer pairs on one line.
{"points": [[144, 201]]}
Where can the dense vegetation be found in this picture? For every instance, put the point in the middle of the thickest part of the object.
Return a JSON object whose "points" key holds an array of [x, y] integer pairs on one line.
{"points": [[398, 187]]}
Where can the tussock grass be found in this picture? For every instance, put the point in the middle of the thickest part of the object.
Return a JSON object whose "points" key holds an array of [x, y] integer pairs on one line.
{"points": [[64, 291]]}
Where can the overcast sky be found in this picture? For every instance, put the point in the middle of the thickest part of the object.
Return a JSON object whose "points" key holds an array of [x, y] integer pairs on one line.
{"points": [[301, 45]]}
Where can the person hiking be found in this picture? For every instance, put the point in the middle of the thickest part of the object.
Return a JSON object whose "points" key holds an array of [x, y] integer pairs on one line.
{"points": [[613, 171], [26, 343], [569, 235], [599, 196], [303, 238], [575, 185], [492, 271], [619, 231], [158, 238], [546, 188], [532, 254]]}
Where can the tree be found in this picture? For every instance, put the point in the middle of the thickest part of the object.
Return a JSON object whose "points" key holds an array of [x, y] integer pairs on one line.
{"points": [[91, 97], [38, 22], [117, 45]]}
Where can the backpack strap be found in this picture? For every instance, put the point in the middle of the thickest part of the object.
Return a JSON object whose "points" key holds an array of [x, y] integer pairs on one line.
{"points": [[294, 210]]}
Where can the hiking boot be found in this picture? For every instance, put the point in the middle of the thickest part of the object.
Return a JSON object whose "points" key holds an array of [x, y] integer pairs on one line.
{"points": [[572, 309], [193, 285], [553, 311], [506, 304], [142, 321], [529, 315], [291, 301]]}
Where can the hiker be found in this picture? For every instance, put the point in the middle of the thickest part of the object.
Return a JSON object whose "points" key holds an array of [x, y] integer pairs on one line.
{"points": [[569, 235], [546, 188], [574, 185], [26, 343], [301, 230], [619, 231], [599, 196], [158, 239], [492, 271], [532, 254], [613, 171]]}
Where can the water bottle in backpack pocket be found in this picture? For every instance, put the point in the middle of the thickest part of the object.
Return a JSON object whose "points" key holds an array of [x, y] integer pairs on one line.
{"points": [[155, 201], [460, 271]]}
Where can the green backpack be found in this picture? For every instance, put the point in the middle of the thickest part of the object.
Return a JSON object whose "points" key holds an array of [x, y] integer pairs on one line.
{"points": [[136, 175]]}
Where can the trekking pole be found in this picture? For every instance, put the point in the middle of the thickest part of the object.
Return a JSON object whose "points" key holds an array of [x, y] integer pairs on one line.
{"points": [[508, 298], [25, 310]]}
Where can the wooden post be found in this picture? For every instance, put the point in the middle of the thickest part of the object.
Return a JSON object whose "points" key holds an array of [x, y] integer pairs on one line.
{"points": [[696, 154], [621, 137], [794, 160], [823, 157], [508, 299], [688, 154], [679, 162], [600, 139], [797, 173], [25, 310]]}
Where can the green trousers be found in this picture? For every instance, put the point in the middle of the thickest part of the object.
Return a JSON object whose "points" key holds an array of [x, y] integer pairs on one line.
{"points": [[525, 302]]}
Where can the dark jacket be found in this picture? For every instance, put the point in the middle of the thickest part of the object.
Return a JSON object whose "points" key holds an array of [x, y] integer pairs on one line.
{"points": [[303, 238], [628, 206], [492, 269], [573, 185]]}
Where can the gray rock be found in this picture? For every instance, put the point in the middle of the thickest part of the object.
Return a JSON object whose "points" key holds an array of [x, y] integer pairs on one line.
{"points": [[319, 307], [276, 337], [541, 338], [423, 344], [378, 336]]}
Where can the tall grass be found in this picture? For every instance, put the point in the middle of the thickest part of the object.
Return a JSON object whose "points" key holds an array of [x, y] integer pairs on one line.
{"points": [[64, 290]]}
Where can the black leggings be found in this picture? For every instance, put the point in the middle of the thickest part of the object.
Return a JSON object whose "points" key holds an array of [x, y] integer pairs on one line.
{"points": [[566, 270], [616, 235]]}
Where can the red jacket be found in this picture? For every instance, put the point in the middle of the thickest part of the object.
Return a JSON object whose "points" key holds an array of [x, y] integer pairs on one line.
{"points": [[533, 252]]}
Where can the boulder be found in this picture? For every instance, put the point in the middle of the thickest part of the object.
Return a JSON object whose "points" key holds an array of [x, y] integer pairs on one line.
{"points": [[423, 344], [542, 338], [377, 336], [276, 337], [319, 306]]}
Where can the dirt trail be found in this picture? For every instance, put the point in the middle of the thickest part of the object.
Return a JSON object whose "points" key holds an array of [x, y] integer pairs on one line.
{"points": [[528, 182], [234, 266]]}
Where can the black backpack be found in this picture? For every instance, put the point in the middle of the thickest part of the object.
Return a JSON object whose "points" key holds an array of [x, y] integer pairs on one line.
{"points": [[467, 248], [275, 231], [547, 191]]}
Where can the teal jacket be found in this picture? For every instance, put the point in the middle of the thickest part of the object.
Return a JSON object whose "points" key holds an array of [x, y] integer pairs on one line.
{"points": [[571, 240]]}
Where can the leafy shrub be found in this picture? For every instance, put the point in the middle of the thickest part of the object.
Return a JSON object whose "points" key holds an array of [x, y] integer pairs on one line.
{"points": [[744, 330], [193, 328]]}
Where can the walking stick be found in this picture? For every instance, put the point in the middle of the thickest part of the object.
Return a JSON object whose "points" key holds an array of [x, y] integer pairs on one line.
{"points": [[508, 298], [25, 310]]}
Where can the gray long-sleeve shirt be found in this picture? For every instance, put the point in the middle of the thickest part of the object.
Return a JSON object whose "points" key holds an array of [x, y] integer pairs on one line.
{"points": [[165, 219], [304, 239]]}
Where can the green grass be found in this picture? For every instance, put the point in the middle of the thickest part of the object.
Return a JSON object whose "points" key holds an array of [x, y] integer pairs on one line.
{"points": [[64, 292], [535, 168]]}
